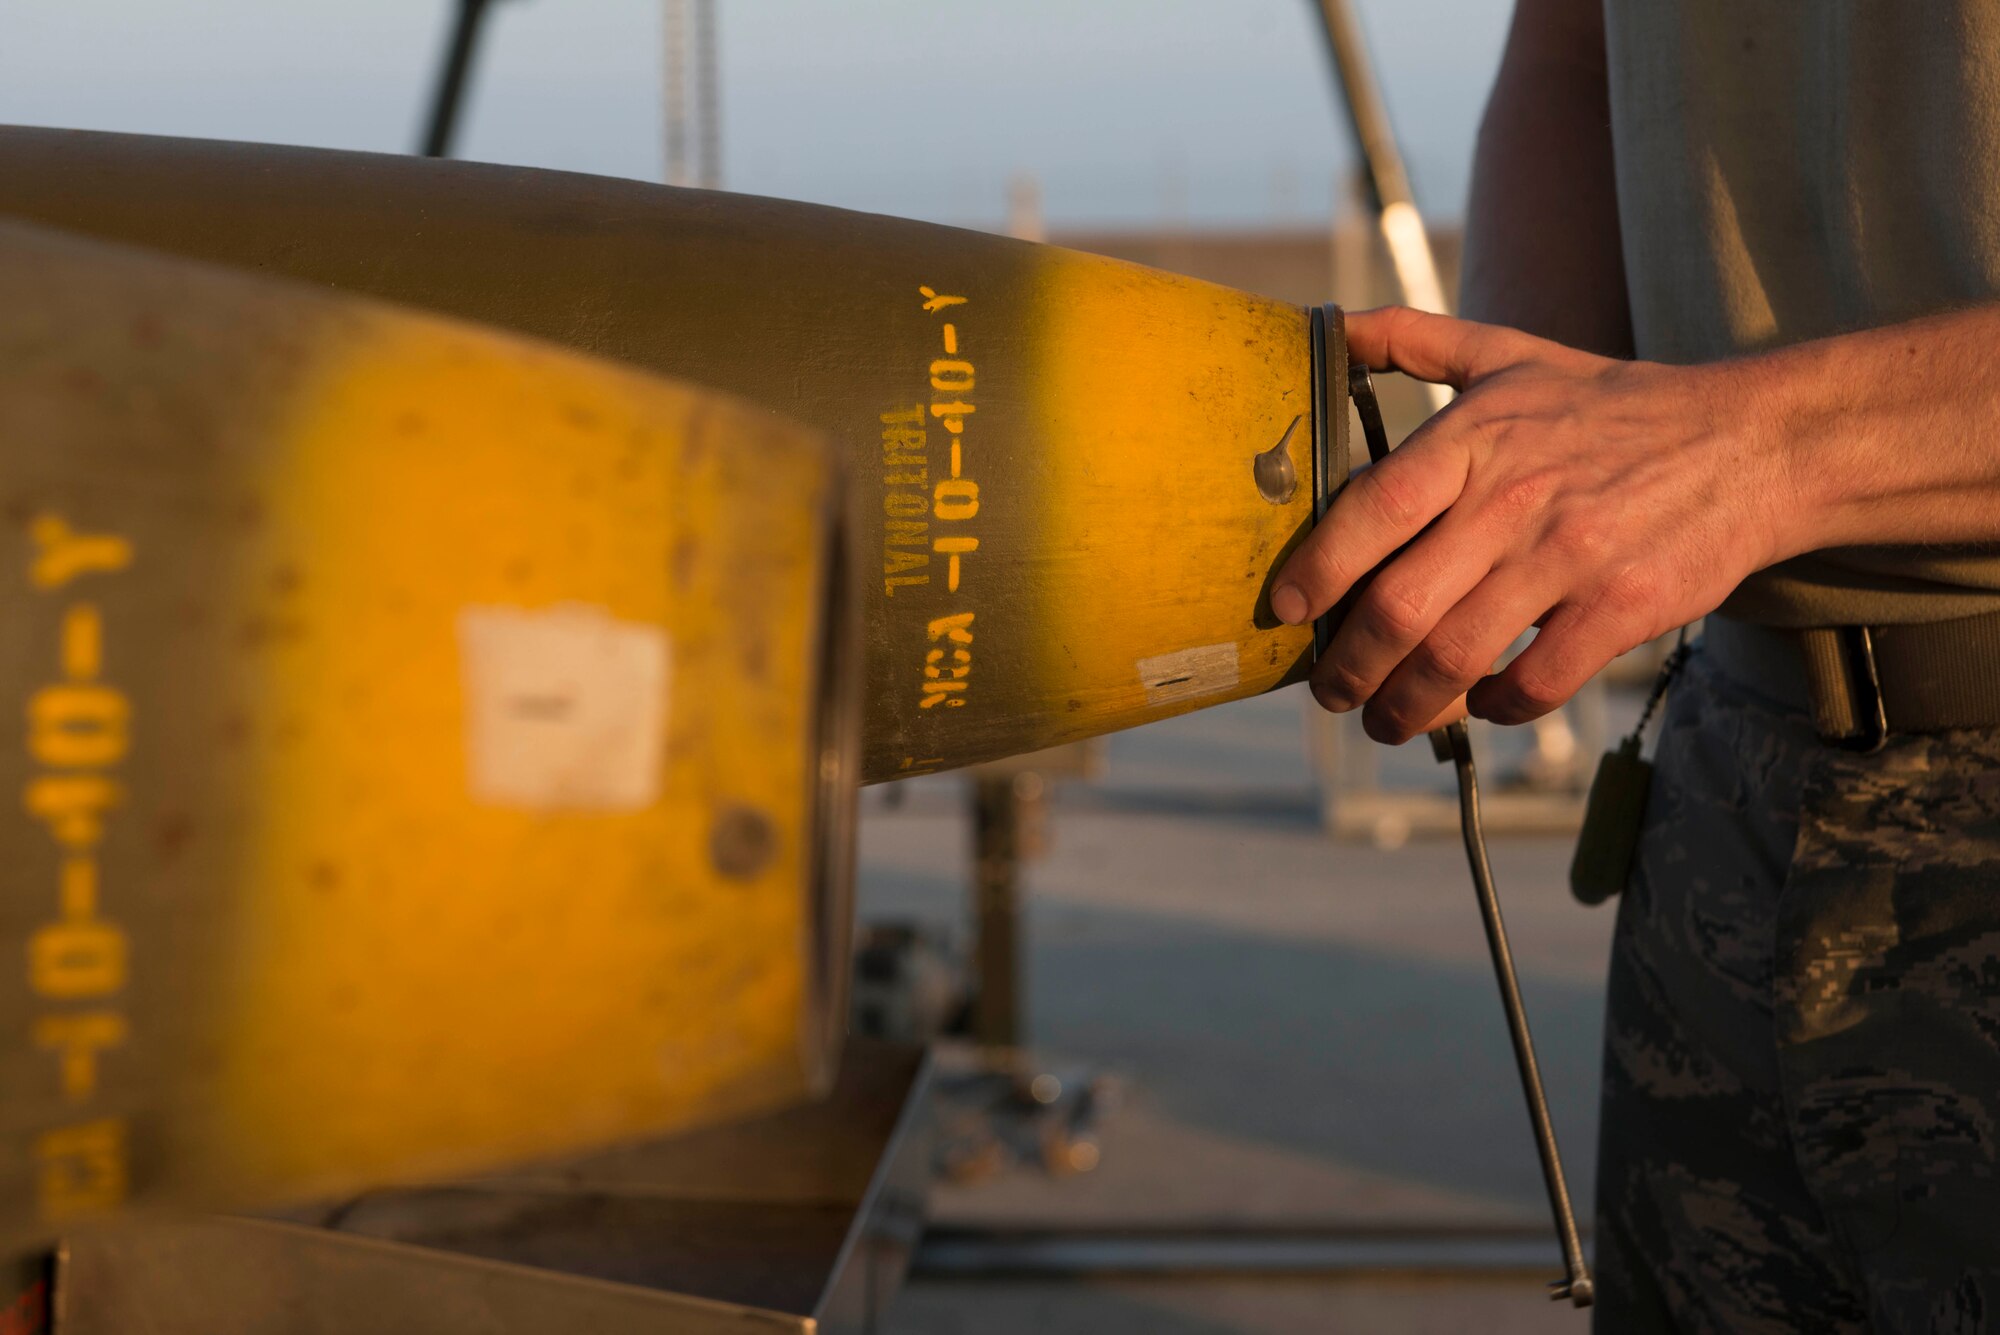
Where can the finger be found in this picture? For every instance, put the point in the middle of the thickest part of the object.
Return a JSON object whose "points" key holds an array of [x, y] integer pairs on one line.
{"points": [[1430, 347], [1398, 607], [1468, 641], [1450, 714], [1379, 510], [1573, 646]]}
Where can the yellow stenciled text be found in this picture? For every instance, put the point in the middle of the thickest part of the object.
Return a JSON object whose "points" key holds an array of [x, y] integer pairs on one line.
{"points": [[78, 961], [952, 504]]}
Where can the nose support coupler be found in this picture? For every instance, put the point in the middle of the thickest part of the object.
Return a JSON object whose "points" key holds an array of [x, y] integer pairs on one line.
{"points": [[1331, 375]]}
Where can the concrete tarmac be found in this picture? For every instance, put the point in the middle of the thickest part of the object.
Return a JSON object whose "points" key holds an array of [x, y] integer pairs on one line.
{"points": [[1308, 1032]]}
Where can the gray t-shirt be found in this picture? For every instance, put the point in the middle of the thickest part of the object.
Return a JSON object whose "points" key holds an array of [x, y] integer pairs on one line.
{"points": [[1789, 169]]}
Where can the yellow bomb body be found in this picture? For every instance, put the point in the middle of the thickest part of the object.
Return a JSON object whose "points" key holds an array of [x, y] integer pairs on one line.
{"points": [[429, 746]]}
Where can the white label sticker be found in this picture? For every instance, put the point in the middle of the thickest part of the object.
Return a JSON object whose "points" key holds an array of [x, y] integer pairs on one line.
{"points": [[1187, 674], [565, 708]]}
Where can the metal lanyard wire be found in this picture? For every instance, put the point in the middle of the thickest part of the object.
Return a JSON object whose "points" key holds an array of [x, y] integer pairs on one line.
{"points": [[1454, 743]]}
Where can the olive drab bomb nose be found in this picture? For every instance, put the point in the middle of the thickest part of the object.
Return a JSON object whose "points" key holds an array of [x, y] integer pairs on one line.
{"points": [[1073, 478], [416, 716]]}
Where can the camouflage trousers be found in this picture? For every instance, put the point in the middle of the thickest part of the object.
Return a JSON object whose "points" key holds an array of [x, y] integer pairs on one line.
{"points": [[1801, 1107]]}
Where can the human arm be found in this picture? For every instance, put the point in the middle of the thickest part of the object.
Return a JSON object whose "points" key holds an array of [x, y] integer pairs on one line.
{"points": [[1609, 501], [1542, 250]]}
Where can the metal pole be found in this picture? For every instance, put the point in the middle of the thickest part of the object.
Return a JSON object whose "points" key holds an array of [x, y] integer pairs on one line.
{"points": [[706, 97], [436, 142], [996, 875], [963, 1252], [674, 89], [1382, 171]]}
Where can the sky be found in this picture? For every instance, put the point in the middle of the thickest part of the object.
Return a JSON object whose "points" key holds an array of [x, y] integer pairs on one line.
{"points": [[1204, 112]]}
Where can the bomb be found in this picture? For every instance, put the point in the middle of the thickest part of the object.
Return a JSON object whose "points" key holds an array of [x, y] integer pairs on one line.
{"points": [[436, 749], [1073, 477]]}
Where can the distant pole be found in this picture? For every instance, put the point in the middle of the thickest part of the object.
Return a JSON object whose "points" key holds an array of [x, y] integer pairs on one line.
{"points": [[1383, 175], [693, 115], [450, 93], [707, 100], [674, 85], [1024, 208]]}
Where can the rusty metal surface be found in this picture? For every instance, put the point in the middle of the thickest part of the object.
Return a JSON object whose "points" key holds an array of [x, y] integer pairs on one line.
{"points": [[214, 1275], [804, 1220], [826, 1151], [889, 1218], [426, 762], [773, 1255], [812, 1211], [1056, 505]]}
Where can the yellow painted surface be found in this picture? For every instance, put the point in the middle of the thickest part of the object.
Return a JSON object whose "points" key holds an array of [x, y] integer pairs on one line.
{"points": [[1168, 388], [402, 927], [344, 957]]}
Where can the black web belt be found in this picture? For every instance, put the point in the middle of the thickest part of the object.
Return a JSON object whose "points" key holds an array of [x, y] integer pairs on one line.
{"points": [[1864, 683]]}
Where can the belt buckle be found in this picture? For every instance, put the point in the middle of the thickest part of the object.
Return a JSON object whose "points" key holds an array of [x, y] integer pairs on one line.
{"points": [[1864, 682]]}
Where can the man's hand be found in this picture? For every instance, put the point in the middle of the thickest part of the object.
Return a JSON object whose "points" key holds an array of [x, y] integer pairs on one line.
{"points": [[1604, 501]]}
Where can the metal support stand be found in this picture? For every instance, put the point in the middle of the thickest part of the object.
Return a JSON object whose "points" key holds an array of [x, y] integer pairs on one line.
{"points": [[996, 874], [1002, 1105]]}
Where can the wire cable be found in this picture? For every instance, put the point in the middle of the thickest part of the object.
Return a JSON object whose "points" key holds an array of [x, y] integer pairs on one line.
{"points": [[1454, 743]]}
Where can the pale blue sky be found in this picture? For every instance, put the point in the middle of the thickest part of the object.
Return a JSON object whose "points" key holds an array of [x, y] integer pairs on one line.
{"points": [[1126, 110]]}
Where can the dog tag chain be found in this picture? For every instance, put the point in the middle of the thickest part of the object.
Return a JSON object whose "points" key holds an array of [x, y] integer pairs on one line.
{"points": [[1616, 807]]}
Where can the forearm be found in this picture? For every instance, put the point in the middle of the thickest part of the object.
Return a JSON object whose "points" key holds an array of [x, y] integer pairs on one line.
{"points": [[1542, 250], [1891, 435]]}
